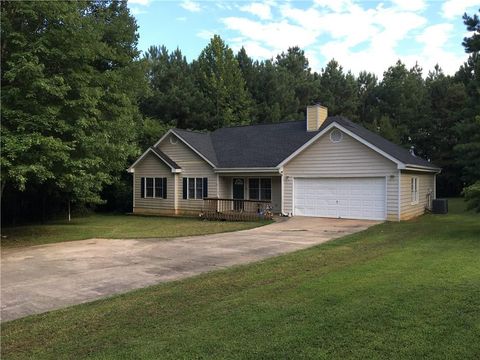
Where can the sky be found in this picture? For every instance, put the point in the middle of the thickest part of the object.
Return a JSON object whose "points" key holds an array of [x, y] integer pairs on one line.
{"points": [[359, 34]]}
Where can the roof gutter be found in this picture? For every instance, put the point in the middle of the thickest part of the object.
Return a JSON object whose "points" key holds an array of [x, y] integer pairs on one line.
{"points": [[422, 168], [131, 169], [250, 170]]}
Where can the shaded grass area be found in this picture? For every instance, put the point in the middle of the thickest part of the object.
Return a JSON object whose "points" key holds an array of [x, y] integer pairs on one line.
{"points": [[396, 291], [116, 227]]}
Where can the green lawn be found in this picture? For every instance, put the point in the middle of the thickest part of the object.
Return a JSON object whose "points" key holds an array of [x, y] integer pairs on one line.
{"points": [[396, 291], [116, 227]]}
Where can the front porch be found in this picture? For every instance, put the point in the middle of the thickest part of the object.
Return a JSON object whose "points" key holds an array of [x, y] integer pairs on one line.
{"points": [[245, 197], [236, 210]]}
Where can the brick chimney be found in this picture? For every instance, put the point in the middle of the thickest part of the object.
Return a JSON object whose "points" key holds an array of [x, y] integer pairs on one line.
{"points": [[316, 115]]}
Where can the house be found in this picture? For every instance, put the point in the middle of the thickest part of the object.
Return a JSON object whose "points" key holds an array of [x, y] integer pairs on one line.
{"points": [[324, 166]]}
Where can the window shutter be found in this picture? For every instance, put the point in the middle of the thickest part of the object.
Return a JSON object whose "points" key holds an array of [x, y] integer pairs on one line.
{"points": [[185, 188], [164, 188], [205, 187], [142, 187]]}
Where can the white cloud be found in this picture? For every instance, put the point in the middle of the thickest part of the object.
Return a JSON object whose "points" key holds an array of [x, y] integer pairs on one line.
{"points": [[139, 6], [181, 18], [435, 36], [135, 10], [205, 34], [278, 35], [140, 2], [356, 26], [191, 6], [313, 61], [262, 10], [410, 5], [253, 49], [433, 39], [223, 5], [382, 53], [359, 38], [455, 8], [336, 6]]}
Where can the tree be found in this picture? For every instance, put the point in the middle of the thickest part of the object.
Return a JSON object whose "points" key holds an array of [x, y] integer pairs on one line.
{"points": [[70, 83], [472, 43], [338, 91], [472, 196], [468, 150], [468, 129], [403, 98], [248, 68], [367, 90], [446, 99], [174, 99], [220, 79], [275, 97], [293, 66]]}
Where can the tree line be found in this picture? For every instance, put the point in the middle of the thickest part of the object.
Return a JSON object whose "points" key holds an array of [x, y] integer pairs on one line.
{"points": [[80, 103]]}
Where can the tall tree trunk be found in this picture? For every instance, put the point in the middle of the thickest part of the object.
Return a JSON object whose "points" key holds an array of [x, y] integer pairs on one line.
{"points": [[69, 215], [2, 186]]}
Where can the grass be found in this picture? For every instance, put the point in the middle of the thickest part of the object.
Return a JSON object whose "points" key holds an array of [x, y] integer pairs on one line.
{"points": [[395, 291], [116, 227]]}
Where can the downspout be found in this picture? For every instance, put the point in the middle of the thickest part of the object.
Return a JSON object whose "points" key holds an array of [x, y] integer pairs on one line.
{"points": [[133, 200], [281, 195], [399, 194]]}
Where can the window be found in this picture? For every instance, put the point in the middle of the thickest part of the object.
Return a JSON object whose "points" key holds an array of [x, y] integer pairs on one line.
{"points": [[153, 187], [195, 188], [198, 188], [414, 190], [191, 188], [149, 187], [265, 189], [254, 189], [260, 189], [158, 187]]}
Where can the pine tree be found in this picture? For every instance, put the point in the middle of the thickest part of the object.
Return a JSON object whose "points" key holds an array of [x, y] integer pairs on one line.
{"points": [[174, 99], [338, 91], [220, 80], [468, 130]]}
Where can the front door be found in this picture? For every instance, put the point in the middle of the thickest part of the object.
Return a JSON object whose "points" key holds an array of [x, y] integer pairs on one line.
{"points": [[238, 193]]}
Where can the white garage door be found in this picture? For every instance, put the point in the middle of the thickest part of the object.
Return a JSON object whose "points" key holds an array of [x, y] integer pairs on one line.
{"points": [[351, 198]]}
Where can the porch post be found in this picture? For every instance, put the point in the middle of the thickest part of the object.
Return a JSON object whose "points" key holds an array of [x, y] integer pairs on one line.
{"points": [[175, 193], [282, 186]]}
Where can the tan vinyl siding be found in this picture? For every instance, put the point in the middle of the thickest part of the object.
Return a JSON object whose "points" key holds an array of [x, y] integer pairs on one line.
{"points": [[225, 187], [348, 158], [276, 194], [426, 185], [152, 166], [192, 166]]}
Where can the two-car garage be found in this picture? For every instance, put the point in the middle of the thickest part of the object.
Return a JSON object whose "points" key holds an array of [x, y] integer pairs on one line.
{"points": [[351, 198]]}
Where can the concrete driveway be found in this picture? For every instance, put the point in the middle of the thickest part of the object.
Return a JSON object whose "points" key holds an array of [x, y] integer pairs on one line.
{"points": [[47, 277]]}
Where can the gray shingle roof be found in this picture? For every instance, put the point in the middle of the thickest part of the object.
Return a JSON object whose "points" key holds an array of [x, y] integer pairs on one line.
{"points": [[165, 158], [267, 145]]}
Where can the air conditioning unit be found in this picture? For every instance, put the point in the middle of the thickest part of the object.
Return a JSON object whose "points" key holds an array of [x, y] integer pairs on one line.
{"points": [[440, 206]]}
